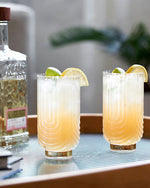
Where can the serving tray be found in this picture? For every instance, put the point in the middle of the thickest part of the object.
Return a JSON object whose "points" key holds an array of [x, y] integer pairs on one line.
{"points": [[93, 164]]}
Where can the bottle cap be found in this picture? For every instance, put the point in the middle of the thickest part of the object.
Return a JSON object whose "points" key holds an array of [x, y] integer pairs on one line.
{"points": [[4, 14]]}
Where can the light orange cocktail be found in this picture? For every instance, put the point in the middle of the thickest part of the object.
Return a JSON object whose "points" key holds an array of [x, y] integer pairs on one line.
{"points": [[58, 115], [123, 109]]}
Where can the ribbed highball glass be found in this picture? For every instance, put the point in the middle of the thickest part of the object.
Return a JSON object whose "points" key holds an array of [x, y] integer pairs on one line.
{"points": [[123, 97], [58, 106]]}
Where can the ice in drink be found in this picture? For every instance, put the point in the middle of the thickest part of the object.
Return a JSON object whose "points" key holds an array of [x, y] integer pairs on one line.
{"points": [[58, 114], [123, 109]]}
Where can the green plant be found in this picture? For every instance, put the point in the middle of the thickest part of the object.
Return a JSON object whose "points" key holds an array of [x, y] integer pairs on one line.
{"points": [[134, 48]]}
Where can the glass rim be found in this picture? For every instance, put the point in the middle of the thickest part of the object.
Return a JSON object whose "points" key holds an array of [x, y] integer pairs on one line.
{"points": [[108, 72], [42, 76]]}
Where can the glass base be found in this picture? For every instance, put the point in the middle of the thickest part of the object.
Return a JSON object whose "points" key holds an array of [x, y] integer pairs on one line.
{"points": [[58, 155], [131, 147]]}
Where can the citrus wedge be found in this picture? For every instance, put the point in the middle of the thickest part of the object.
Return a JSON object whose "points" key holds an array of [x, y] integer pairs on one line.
{"points": [[138, 69], [76, 72], [118, 70], [52, 71]]}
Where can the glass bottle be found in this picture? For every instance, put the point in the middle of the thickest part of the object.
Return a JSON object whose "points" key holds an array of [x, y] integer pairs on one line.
{"points": [[13, 89]]}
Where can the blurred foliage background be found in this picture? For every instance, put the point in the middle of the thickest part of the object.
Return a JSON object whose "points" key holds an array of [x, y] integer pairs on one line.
{"points": [[133, 48]]}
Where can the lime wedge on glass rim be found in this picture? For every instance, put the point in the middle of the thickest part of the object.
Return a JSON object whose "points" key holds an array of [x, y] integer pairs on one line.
{"points": [[52, 71], [136, 68], [118, 70]]}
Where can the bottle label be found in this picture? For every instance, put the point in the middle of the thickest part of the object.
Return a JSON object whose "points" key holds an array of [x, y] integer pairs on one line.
{"points": [[16, 118]]}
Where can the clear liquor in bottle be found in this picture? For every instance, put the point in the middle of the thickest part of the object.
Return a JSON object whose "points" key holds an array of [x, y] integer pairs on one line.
{"points": [[13, 89]]}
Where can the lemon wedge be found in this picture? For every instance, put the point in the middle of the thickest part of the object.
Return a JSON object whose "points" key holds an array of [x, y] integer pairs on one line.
{"points": [[76, 72], [138, 69]]}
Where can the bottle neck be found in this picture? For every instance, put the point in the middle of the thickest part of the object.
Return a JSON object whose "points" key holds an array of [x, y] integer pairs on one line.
{"points": [[3, 35]]}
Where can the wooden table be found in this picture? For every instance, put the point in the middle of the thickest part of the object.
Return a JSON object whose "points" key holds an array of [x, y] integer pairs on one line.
{"points": [[93, 164]]}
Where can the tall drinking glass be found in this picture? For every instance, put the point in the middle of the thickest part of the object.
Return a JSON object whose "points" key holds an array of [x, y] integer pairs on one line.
{"points": [[58, 103], [123, 109]]}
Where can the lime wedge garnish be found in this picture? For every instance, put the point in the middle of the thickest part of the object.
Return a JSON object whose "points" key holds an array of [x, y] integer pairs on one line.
{"points": [[118, 70], [52, 71]]}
